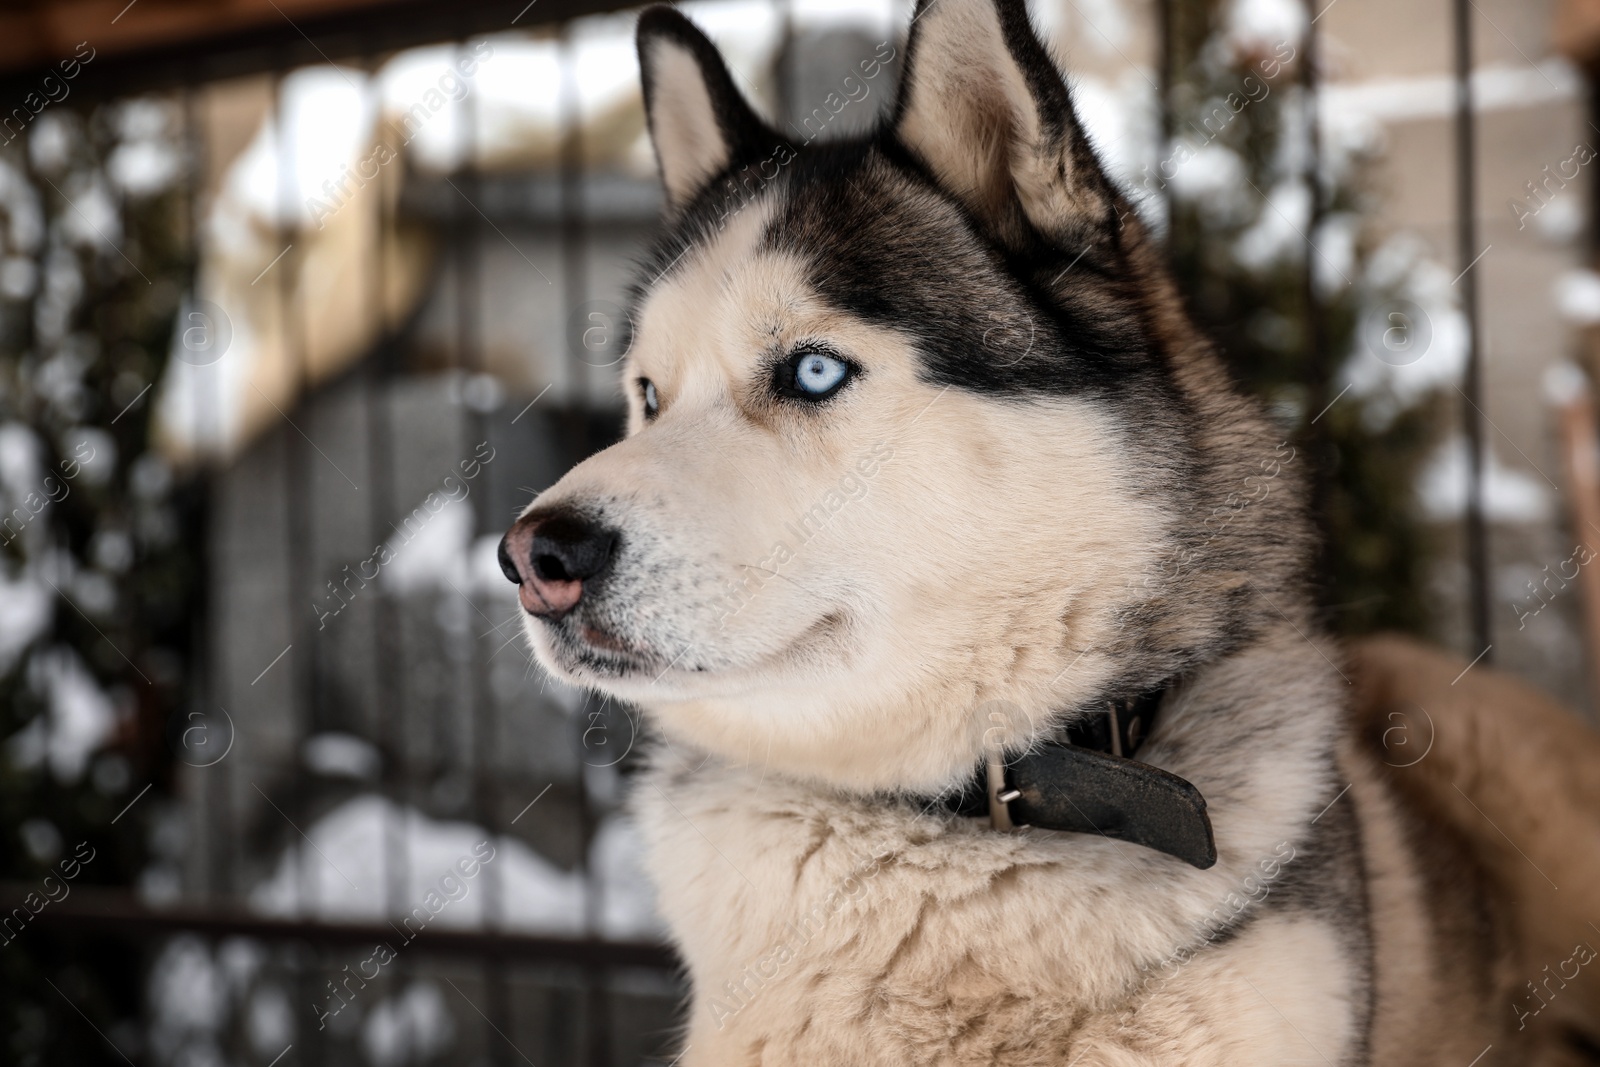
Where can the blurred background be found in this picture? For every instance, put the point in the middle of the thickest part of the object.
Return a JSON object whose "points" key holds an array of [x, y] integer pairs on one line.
{"points": [[302, 300]]}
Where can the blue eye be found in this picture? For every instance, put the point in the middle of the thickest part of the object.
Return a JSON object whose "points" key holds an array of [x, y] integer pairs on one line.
{"points": [[652, 402], [816, 375]]}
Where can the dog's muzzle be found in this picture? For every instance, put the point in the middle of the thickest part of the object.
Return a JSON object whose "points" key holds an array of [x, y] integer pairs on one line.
{"points": [[551, 555]]}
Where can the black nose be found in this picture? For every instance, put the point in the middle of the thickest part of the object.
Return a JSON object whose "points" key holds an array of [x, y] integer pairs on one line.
{"points": [[507, 567], [565, 547]]}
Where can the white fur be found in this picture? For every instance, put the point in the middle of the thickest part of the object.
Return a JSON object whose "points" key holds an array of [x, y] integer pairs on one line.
{"points": [[946, 926], [957, 581]]}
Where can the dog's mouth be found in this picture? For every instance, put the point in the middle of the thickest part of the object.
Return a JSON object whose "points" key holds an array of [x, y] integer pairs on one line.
{"points": [[583, 646], [587, 650], [603, 640]]}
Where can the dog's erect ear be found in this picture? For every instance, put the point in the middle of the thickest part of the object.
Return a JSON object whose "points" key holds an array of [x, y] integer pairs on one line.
{"points": [[698, 121], [983, 104]]}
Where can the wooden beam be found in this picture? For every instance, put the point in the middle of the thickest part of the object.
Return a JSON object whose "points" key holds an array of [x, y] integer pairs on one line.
{"points": [[96, 910], [42, 35], [168, 44]]}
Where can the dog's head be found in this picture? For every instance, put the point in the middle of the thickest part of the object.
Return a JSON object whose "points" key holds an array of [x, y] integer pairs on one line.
{"points": [[917, 430]]}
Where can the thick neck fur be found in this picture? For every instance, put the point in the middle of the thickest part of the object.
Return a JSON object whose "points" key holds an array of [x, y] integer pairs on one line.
{"points": [[896, 925]]}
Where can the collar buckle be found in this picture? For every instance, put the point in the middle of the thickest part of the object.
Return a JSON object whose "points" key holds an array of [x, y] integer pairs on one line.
{"points": [[1000, 795]]}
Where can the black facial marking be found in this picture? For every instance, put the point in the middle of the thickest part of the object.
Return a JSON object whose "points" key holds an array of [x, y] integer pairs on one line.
{"points": [[885, 244]]}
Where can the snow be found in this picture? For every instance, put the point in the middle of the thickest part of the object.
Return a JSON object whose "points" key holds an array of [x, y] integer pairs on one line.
{"points": [[1120, 118], [27, 608], [1509, 495], [18, 277], [1259, 26], [435, 556], [59, 380], [111, 550], [330, 116], [442, 555], [874, 16], [94, 220], [519, 94], [142, 168], [1495, 87], [482, 393], [1213, 176], [20, 453], [240, 961], [1333, 262], [23, 210], [94, 593], [1278, 232], [146, 162], [150, 477], [50, 142], [78, 719], [1401, 272], [340, 872], [413, 1027], [1106, 25], [188, 1001], [340, 755], [269, 1021], [1564, 383], [202, 405], [63, 288], [1577, 297], [94, 450], [42, 840], [627, 899], [1561, 220], [326, 117], [146, 119]]}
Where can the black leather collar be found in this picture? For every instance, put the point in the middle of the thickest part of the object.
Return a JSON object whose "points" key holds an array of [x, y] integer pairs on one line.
{"points": [[1091, 784]]}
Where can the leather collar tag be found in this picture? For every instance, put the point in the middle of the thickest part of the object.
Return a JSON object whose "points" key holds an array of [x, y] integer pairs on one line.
{"points": [[1091, 785], [1066, 787]]}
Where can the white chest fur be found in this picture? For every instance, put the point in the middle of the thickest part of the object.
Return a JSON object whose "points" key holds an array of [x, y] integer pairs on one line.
{"points": [[825, 928]]}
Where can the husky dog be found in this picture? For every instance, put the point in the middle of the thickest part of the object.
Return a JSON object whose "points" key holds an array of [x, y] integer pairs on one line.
{"points": [[926, 467]]}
